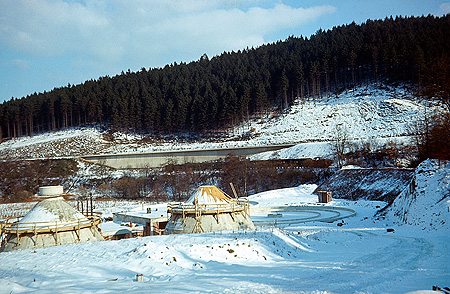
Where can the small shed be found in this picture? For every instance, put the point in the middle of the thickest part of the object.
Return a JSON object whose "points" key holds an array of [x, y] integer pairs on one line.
{"points": [[153, 218], [324, 196]]}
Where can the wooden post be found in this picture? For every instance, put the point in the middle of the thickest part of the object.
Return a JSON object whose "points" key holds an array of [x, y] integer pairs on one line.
{"points": [[78, 231], [56, 231], [234, 190], [92, 208], [217, 213]]}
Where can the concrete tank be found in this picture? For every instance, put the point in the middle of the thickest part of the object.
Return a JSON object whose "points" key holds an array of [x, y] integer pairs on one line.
{"points": [[51, 190]]}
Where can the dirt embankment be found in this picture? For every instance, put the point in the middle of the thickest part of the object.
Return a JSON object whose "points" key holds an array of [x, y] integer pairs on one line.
{"points": [[371, 184]]}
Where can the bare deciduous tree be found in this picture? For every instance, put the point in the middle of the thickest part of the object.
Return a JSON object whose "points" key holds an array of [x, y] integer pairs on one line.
{"points": [[340, 144]]}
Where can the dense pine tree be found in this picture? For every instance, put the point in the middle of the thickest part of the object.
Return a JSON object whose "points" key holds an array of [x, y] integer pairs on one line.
{"points": [[224, 90]]}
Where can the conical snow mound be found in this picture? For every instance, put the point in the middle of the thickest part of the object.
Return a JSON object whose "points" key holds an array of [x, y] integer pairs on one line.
{"points": [[51, 222], [207, 210], [426, 202], [52, 210]]}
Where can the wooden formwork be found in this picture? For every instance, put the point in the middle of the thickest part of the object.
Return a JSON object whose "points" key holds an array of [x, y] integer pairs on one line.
{"points": [[11, 226], [158, 227]]}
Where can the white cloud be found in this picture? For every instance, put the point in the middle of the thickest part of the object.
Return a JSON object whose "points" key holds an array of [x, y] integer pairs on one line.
{"points": [[444, 8], [47, 27], [234, 29], [20, 63], [115, 30]]}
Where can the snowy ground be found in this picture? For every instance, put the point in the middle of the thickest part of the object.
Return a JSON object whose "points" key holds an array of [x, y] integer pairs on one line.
{"points": [[366, 114], [361, 256]]}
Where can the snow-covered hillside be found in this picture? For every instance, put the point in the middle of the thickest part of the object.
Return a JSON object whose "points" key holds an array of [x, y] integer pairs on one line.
{"points": [[364, 114], [426, 202]]}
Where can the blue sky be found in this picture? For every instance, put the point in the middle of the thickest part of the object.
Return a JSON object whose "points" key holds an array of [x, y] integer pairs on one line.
{"points": [[49, 43]]}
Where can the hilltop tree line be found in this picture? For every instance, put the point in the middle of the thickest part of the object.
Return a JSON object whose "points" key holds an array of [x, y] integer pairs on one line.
{"points": [[219, 92]]}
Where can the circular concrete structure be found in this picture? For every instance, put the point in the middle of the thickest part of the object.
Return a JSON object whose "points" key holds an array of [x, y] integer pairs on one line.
{"points": [[207, 210], [51, 190], [288, 215], [51, 222]]}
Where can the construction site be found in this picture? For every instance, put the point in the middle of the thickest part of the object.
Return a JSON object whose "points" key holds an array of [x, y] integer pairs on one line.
{"points": [[290, 240], [53, 221]]}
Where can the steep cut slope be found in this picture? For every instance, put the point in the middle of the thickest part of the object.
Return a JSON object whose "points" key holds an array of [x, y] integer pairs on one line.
{"points": [[426, 202], [370, 184], [364, 112]]}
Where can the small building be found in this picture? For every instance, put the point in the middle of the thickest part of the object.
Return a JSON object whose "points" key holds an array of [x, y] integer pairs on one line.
{"points": [[208, 209], [153, 218], [52, 221], [118, 231], [324, 196]]}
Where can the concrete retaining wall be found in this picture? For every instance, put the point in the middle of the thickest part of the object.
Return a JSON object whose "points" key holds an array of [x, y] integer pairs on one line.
{"points": [[158, 159]]}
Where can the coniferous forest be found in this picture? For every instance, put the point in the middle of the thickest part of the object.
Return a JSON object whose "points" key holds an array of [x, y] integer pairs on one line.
{"points": [[222, 91]]}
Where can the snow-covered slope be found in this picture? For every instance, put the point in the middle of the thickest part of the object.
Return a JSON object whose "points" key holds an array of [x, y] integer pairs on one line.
{"points": [[370, 184], [426, 202], [365, 113], [74, 142]]}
